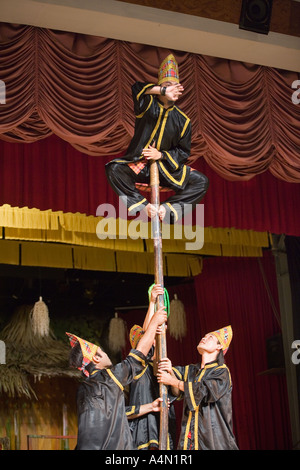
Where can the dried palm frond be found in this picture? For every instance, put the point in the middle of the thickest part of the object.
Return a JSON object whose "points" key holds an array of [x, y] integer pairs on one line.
{"points": [[28, 354], [14, 383]]}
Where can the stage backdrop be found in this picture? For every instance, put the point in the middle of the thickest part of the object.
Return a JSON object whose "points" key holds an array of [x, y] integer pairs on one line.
{"points": [[246, 131]]}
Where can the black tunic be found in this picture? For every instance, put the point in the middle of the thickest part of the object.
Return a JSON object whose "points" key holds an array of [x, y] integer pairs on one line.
{"points": [[145, 429], [207, 409], [102, 421], [170, 129]]}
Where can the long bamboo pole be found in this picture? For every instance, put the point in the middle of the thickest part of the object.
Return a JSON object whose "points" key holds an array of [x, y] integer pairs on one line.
{"points": [[161, 343]]}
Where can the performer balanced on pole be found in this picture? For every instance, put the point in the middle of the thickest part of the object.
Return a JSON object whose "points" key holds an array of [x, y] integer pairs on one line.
{"points": [[162, 132], [161, 144]]}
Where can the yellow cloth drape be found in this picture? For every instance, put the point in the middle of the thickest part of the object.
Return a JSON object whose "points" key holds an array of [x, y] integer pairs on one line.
{"points": [[62, 256], [46, 254], [32, 237]]}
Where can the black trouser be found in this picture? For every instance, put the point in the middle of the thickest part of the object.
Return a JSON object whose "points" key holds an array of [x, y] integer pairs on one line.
{"points": [[123, 181]]}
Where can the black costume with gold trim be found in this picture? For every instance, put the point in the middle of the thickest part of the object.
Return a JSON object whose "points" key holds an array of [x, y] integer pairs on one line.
{"points": [[169, 130], [207, 409], [145, 429], [102, 421]]}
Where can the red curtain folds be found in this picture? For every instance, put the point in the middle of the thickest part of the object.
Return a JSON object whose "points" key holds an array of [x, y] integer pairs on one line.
{"points": [[79, 88], [261, 412], [260, 402], [51, 174]]}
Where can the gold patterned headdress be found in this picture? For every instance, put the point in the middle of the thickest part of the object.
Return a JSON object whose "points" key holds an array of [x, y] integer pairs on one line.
{"points": [[135, 335], [168, 70], [88, 349], [224, 336]]}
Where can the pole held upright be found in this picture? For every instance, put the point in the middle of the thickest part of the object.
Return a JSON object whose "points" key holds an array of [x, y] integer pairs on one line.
{"points": [[161, 344]]}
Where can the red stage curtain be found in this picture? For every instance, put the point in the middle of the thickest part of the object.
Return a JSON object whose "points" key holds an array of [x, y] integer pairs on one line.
{"points": [[293, 256], [79, 88], [261, 412], [51, 174], [260, 402]]}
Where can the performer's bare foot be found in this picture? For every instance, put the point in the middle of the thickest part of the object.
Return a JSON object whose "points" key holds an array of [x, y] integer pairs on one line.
{"points": [[162, 212], [151, 210]]}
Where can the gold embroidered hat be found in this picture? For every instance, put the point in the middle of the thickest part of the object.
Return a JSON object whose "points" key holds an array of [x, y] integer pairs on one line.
{"points": [[135, 335], [88, 350], [224, 336], [168, 70]]}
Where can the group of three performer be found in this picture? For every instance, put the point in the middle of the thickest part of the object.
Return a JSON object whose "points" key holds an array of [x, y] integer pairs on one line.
{"points": [[106, 423], [162, 133]]}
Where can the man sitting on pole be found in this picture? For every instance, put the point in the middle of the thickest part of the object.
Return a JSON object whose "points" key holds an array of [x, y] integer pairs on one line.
{"points": [[162, 133]]}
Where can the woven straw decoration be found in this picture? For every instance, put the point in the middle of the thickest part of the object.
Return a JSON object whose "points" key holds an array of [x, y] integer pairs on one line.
{"points": [[40, 318], [116, 334], [177, 319]]}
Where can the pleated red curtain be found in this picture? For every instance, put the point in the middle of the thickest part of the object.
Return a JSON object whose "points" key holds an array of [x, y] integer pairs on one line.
{"points": [[79, 88], [51, 174]]}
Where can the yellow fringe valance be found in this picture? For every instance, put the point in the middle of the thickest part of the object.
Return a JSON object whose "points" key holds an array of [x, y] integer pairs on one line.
{"points": [[54, 255], [25, 218], [106, 234]]}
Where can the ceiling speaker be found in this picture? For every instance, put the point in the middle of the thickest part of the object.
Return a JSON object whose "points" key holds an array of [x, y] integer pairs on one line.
{"points": [[256, 15]]}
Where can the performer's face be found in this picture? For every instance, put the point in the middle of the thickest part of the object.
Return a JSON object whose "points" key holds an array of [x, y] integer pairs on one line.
{"points": [[209, 343], [168, 83]]}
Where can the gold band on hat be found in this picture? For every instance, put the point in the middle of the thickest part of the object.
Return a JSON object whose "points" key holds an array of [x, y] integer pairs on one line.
{"points": [[224, 336], [135, 335], [168, 70]]}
